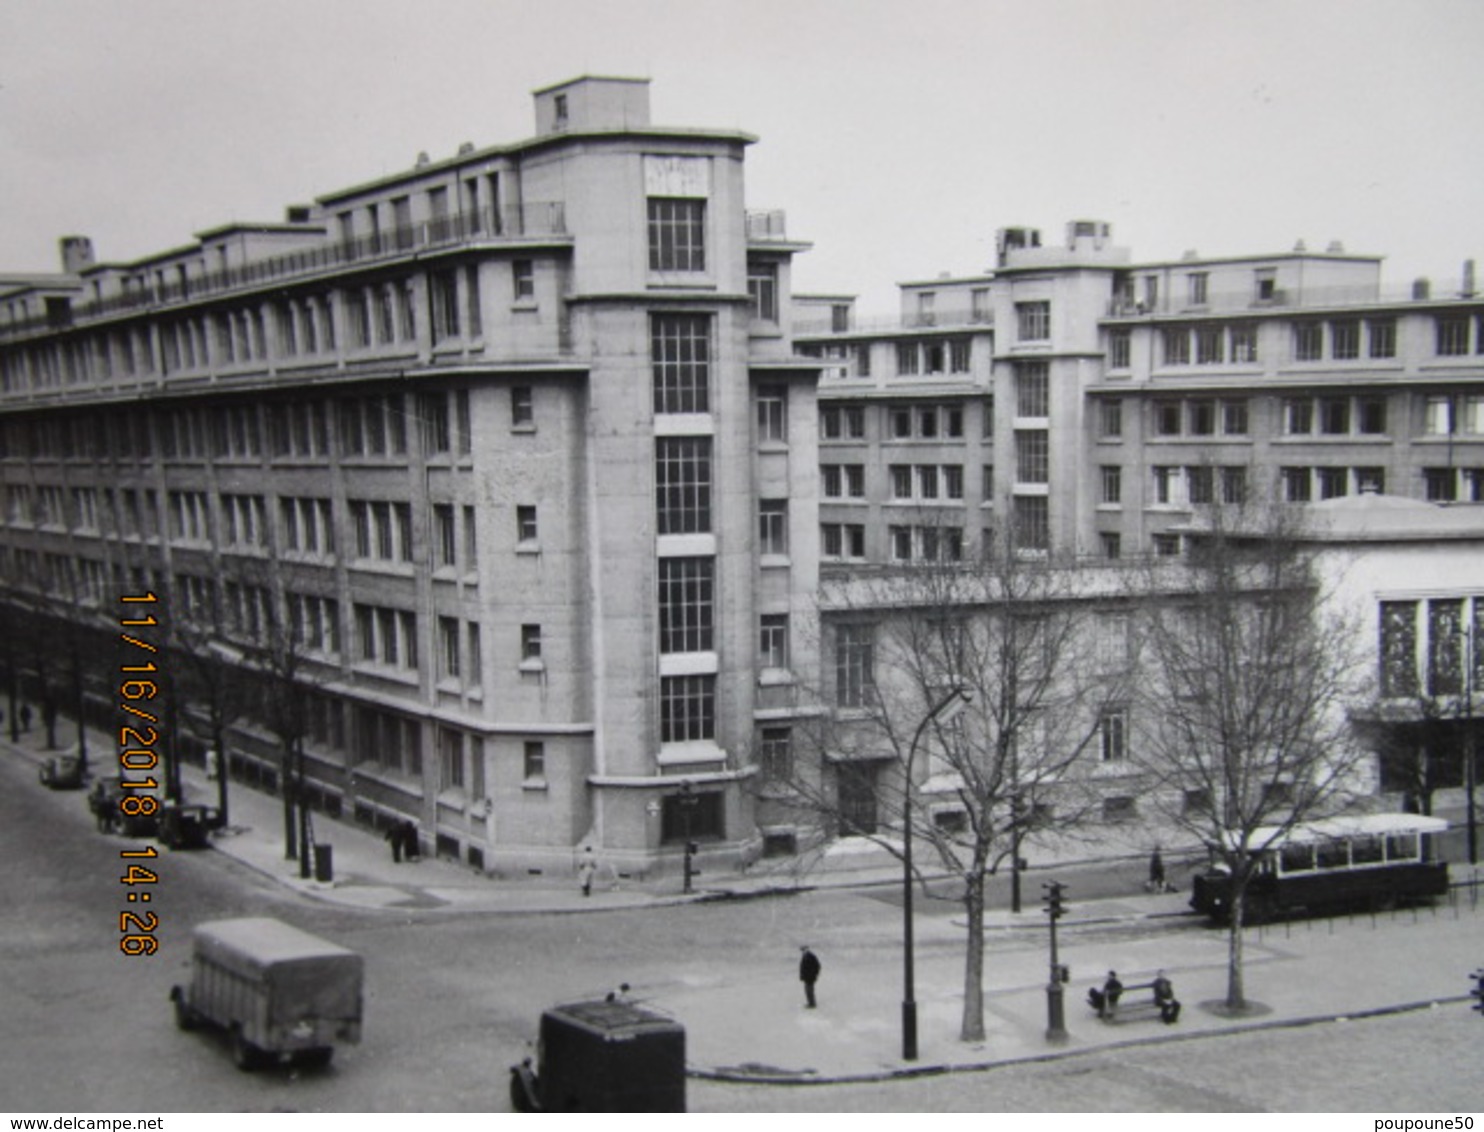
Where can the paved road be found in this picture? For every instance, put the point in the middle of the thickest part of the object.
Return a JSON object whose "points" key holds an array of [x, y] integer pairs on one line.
{"points": [[453, 999]]}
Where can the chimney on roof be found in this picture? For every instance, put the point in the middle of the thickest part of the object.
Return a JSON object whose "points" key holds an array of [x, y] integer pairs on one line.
{"points": [[77, 253], [423, 159], [297, 214], [1300, 246], [1335, 248], [465, 147], [1468, 279]]}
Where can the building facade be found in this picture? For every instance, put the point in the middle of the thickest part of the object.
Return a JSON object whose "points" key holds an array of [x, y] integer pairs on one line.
{"points": [[511, 448], [1087, 405]]}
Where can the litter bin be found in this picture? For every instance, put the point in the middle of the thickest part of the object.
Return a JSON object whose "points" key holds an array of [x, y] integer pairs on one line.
{"points": [[324, 862]]}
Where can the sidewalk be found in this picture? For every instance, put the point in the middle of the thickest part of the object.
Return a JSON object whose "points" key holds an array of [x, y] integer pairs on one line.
{"points": [[755, 1028]]}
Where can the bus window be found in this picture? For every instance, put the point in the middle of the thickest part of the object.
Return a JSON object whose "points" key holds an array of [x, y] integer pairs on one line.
{"points": [[1333, 854], [1401, 847], [1298, 858], [1365, 850]]}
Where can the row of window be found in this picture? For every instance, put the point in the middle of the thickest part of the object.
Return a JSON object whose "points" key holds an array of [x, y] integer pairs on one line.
{"points": [[363, 317], [902, 422], [1313, 340], [1430, 648], [382, 529], [927, 356], [1442, 415], [381, 425]]}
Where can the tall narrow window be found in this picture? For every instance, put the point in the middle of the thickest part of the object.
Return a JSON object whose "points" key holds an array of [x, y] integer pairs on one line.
{"points": [[687, 708], [762, 288], [1113, 734], [683, 484], [530, 643], [773, 640], [522, 407], [680, 351], [772, 419], [1032, 524], [475, 303], [448, 647], [525, 523], [686, 604], [1398, 648], [443, 289], [523, 275], [1032, 390], [1032, 456], [773, 526], [677, 234], [855, 650]]}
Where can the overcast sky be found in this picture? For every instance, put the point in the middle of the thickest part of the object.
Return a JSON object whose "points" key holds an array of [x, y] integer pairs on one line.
{"points": [[897, 134]]}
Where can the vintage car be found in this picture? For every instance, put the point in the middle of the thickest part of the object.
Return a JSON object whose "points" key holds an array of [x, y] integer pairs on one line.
{"points": [[188, 826], [62, 772]]}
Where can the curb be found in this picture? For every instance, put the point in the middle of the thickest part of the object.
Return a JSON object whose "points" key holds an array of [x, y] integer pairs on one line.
{"points": [[807, 1078]]}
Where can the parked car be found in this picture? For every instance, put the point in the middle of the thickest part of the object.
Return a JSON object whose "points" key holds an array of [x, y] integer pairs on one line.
{"points": [[279, 993], [189, 826], [104, 799], [62, 772]]}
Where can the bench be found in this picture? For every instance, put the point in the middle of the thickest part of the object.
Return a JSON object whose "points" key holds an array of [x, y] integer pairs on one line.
{"points": [[1114, 1007]]}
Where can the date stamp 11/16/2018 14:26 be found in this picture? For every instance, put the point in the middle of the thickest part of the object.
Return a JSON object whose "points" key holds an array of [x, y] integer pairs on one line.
{"points": [[138, 738]]}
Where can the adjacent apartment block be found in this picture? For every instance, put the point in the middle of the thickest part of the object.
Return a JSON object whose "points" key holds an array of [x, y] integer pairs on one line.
{"points": [[1076, 402], [512, 448]]}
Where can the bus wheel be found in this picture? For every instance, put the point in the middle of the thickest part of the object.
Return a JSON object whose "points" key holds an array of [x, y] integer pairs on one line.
{"points": [[244, 1053]]}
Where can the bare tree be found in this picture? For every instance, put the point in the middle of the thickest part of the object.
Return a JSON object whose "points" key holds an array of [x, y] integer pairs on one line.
{"points": [[210, 663], [1245, 682], [964, 695], [268, 648]]}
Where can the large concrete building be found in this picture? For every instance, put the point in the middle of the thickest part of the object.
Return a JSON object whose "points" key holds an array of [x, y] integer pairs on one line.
{"points": [[513, 444], [537, 463], [1084, 404]]}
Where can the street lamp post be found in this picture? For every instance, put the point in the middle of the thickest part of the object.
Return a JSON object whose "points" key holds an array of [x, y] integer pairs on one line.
{"points": [[949, 706]]}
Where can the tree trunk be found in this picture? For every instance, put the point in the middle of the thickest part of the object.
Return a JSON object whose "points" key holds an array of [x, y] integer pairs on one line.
{"points": [[290, 816], [1236, 995], [972, 1029], [219, 738]]}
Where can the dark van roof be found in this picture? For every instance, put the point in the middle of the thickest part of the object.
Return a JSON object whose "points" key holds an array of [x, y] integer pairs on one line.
{"points": [[614, 1019]]}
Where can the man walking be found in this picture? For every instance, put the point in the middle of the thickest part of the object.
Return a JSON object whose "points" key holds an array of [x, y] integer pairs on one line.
{"points": [[1156, 871], [809, 967], [587, 869]]}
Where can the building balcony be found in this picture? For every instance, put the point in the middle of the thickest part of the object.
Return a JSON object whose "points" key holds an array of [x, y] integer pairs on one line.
{"points": [[1252, 301], [882, 326], [509, 224]]}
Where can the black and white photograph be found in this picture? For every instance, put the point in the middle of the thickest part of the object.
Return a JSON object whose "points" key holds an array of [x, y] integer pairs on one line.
{"points": [[738, 556]]}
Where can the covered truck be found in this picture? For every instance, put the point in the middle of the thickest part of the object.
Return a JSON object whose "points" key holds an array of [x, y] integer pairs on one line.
{"points": [[278, 992]]}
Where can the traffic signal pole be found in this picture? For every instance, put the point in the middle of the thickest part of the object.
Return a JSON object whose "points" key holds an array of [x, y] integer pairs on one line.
{"points": [[1056, 1028]]}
